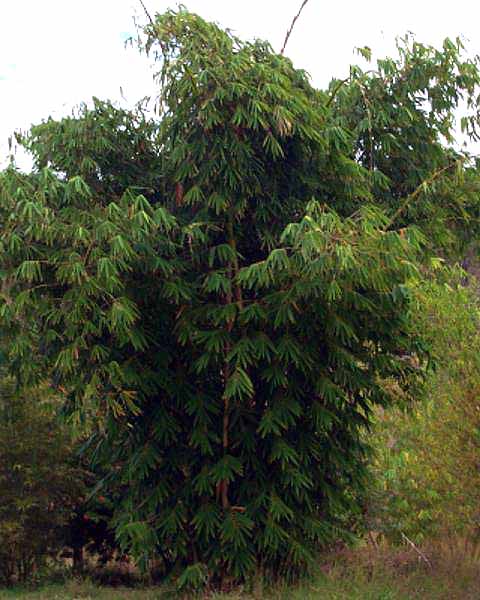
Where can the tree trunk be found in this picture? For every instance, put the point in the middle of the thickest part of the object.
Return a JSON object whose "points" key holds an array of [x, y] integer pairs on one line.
{"points": [[78, 559]]}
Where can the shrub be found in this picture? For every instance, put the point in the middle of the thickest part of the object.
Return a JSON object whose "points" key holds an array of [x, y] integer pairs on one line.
{"points": [[427, 466], [39, 484]]}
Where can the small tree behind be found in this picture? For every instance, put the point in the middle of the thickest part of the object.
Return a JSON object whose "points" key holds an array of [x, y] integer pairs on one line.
{"points": [[39, 483]]}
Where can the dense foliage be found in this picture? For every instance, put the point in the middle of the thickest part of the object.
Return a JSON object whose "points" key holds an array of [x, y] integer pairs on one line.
{"points": [[426, 474], [40, 483], [402, 119], [223, 295]]}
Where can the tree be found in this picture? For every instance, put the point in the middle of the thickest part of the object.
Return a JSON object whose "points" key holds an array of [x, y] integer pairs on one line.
{"points": [[225, 295], [40, 482]]}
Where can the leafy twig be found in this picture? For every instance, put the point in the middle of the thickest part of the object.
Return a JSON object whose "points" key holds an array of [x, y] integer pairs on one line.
{"points": [[369, 117], [336, 89]]}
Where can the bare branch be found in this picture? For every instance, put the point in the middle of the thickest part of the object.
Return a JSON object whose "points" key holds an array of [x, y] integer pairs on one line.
{"points": [[146, 12], [419, 552], [304, 3]]}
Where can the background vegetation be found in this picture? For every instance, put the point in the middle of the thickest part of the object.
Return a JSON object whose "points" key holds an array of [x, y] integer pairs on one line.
{"points": [[40, 484], [427, 469]]}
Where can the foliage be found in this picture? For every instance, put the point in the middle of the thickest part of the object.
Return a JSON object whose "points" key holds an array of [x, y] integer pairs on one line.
{"points": [[223, 296], [427, 463], [401, 118], [39, 484]]}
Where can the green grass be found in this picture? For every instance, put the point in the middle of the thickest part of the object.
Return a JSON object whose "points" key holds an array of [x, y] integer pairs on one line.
{"points": [[326, 588], [364, 574], [82, 591]]}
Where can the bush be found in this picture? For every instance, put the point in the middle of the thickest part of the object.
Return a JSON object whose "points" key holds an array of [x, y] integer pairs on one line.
{"points": [[39, 484], [427, 469]]}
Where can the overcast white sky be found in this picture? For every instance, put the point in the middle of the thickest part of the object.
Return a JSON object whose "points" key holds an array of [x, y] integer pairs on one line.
{"points": [[55, 54]]}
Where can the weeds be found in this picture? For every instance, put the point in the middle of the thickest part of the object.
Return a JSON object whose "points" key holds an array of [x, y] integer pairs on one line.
{"points": [[365, 573]]}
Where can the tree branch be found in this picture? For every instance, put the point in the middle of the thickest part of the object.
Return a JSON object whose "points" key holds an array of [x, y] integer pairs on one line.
{"points": [[147, 13], [336, 89], [418, 191], [289, 32], [419, 552]]}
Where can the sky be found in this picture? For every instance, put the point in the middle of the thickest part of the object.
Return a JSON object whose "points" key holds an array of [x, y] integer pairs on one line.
{"points": [[55, 54]]}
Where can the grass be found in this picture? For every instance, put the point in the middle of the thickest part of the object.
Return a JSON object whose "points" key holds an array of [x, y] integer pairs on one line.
{"points": [[363, 574]]}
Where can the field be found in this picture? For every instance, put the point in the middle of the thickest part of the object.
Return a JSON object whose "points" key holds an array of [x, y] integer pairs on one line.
{"points": [[365, 574]]}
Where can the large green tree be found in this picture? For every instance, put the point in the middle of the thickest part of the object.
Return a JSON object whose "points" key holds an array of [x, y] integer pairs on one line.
{"points": [[224, 293]]}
